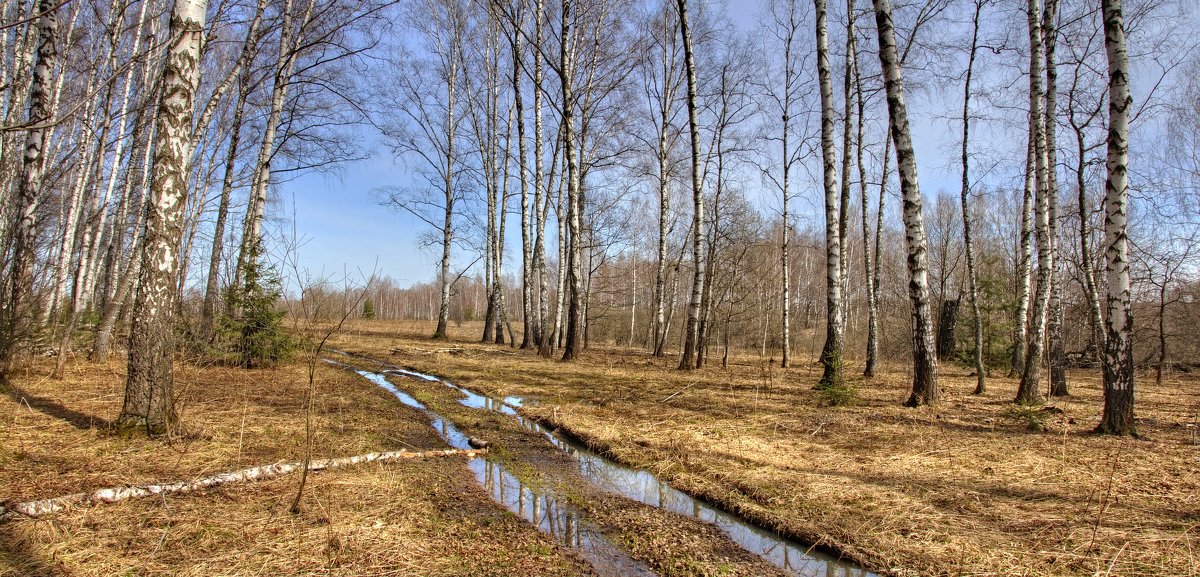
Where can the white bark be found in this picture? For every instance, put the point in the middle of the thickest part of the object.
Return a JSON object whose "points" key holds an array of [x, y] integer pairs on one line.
{"points": [[831, 353], [924, 389], [46, 507], [1118, 351], [149, 396]]}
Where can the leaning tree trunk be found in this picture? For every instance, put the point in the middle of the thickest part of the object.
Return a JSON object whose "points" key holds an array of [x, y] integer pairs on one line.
{"points": [[925, 365], [1118, 348], [1028, 391], [687, 360], [149, 396], [831, 354], [972, 285], [18, 316]]}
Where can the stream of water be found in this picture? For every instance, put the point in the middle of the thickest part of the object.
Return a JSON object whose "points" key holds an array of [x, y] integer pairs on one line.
{"points": [[551, 514]]}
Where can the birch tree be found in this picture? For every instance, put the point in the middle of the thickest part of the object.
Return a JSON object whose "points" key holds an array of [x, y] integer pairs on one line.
{"points": [[18, 315], [1027, 391], [1117, 418], [972, 288], [832, 352], [687, 360], [925, 366], [149, 394]]}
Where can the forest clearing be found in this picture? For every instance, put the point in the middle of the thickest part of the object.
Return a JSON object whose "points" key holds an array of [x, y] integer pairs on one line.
{"points": [[627, 288], [968, 487]]}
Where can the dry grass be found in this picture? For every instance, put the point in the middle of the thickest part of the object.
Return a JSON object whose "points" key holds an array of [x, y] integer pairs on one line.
{"points": [[963, 488], [414, 518]]}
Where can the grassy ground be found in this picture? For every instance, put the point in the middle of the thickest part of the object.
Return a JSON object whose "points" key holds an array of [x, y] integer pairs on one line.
{"points": [[411, 518], [968, 487]]}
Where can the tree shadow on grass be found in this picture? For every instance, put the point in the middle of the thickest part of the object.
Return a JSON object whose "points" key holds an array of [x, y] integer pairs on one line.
{"points": [[17, 554], [50, 407]]}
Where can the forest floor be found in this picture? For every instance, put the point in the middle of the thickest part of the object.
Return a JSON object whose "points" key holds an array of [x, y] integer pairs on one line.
{"points": [[425, 517], [971, 486]]}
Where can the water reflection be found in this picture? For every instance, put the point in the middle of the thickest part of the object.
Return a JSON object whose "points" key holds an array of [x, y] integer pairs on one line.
{"points": [[644, 487], [548, 512]]}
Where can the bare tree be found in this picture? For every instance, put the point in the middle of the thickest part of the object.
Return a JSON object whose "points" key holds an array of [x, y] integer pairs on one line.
{"points": [[972, 288], [18, 315], [149, 394], [925, 384], [687, 360], [831, 353], [1118, 351]]}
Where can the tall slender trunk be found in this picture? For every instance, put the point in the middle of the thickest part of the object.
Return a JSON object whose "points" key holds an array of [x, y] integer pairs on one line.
{"points": [[844, 200], [832, 352], [212, 288], [687, 360], [18, 315], [284, 68], [1028, 391], [1118, 350], [574, 341], [149, 395], [972, 287], [868, 279], [925, 385], [527, 266], [1024, 265], [1085, 233], [1057, 356], [451, 134], [786, 228]]}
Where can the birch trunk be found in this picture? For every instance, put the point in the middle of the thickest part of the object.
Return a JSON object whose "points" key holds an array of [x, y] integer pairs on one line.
{"points": [[831, 353], [1118, 350], [1028, 390], [18, 317], [687, 359], [574, 343], [666, 98], [972, 286], [284, 67], [1024, 265], [149, 395], [925, 385], [1085, 233], [212, 289], [527, 333], [868, 279], [1057, 355]]}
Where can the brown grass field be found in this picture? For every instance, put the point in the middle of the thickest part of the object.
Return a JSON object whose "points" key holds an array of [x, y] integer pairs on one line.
{"points": [[967, 487], [963, 488], [411, 518]]}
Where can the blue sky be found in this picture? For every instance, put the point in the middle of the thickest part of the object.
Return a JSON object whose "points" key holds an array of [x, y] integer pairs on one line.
{"points": [[345, 228]]}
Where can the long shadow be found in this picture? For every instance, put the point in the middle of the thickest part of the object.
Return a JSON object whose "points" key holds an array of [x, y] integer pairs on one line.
{"points": [[79, 420]]}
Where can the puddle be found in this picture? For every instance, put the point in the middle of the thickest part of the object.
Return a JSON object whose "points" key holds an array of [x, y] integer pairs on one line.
{"points": [[644, 487], [550, 513]]}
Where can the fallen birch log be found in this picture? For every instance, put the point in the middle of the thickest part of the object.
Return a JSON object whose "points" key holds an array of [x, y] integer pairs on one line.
{"points": [[43, 507]]}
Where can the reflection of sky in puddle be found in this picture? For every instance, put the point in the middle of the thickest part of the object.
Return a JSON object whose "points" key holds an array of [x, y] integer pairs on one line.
{"points": [[544, 510], [645, 488]]}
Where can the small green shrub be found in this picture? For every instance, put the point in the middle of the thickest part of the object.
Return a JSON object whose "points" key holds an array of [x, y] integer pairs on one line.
{"points": [[253, 325]]}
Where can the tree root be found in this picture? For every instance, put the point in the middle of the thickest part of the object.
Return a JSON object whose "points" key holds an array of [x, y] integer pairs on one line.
{"points": [[44, 507]]}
